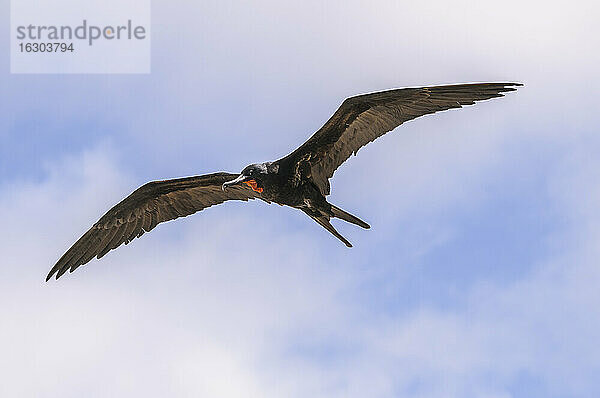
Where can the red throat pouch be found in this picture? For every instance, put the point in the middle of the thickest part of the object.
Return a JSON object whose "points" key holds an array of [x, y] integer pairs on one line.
{"points": [[252, 184]]}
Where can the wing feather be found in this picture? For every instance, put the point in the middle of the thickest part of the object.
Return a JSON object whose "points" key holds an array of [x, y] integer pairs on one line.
{"points": [[146, 207], [364, 118]]}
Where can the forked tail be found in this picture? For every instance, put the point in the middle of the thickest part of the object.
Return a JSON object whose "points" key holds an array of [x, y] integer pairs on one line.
{"points": [[322, 217], [341, 214], [324, 222]]}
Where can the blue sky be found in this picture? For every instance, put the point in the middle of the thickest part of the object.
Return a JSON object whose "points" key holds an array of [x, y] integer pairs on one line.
{"points": [[478, 277]]}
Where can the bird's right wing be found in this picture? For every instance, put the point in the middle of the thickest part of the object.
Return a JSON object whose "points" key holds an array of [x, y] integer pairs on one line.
{"points": [[147, 206], [364, 118]]}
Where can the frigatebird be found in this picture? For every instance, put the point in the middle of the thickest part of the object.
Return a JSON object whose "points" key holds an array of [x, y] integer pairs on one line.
{"points": [[299, 180]]}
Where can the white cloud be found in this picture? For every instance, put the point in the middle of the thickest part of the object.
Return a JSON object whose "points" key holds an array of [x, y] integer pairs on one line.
{"points": [[186, 311]]}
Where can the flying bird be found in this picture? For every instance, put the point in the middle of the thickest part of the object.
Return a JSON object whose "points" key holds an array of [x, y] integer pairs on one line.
{"points": [[299, 180]]}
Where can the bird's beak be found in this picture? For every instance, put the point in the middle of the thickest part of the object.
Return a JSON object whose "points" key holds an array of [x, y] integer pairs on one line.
{"points": [[233, 182]]}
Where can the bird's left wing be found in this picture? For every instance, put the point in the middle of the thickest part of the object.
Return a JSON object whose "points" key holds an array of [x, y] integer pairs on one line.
{"points": [[147, 206], [363, 118]]}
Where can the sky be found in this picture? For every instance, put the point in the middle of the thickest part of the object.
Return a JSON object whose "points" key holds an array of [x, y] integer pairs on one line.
{"points": [[478, 278]]}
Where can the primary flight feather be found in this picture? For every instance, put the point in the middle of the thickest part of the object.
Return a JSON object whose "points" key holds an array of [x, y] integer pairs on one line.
{"points": [[299, 180]]}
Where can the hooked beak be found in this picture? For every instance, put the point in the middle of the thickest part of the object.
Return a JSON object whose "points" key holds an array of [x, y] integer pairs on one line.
{"points": [[238, 180]]}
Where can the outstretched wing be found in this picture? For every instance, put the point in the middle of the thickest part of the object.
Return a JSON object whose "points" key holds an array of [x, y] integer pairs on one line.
{"points": [[147, 206], [362, 119]]}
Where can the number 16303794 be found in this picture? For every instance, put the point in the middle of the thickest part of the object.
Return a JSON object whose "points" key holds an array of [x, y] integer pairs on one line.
{"points": [[46, 47]]}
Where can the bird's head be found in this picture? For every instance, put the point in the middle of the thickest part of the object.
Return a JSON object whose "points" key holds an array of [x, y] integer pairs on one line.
{"points": [[252, 175]]}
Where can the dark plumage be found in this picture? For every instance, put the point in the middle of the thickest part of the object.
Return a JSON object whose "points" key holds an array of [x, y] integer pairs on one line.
{"points": [[299, 180]]}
